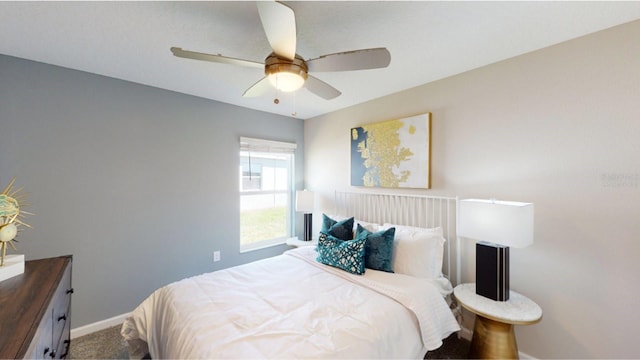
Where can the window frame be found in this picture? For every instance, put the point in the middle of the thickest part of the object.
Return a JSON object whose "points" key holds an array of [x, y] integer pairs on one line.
{"points": [[262, 146]]}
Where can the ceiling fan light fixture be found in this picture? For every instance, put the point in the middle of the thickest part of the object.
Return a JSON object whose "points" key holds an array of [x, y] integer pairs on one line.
{"points": [[286, 81], [284, 74]]}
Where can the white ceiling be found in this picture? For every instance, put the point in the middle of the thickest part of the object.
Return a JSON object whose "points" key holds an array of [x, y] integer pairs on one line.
{"points": [[428, 41]]}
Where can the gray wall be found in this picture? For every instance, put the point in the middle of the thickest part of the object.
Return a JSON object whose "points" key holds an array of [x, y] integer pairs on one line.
{"points": [[138, 183], [559, 127]]}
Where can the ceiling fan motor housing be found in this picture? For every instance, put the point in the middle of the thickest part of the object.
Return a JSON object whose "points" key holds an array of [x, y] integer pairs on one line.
{"points": [[275, 64]]}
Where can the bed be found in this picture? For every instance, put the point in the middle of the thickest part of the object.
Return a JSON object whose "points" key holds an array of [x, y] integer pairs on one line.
{"points": [[295, 306]]}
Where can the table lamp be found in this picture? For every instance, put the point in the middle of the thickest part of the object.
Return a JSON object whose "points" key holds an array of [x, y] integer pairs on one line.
{"points": [[304, 204], [498, 225]]}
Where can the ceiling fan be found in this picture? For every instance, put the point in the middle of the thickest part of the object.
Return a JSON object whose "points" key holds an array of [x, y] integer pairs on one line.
{"points": [[286, 70]]}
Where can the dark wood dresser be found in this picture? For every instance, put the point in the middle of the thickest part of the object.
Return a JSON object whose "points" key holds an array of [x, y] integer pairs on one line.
{"points": [[35, 311]]}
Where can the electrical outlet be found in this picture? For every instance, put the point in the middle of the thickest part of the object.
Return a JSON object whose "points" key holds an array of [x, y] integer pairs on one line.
{"points": [[216, 256]]}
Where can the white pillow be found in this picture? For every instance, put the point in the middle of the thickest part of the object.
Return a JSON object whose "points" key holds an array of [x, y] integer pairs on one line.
{"points": [[417, 251], [373, 227]]}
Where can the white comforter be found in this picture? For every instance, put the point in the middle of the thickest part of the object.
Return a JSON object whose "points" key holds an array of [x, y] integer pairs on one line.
{"points": [[291, 306]]}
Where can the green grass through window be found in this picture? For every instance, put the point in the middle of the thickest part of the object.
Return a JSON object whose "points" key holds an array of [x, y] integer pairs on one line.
{"points": [[262, 224]]}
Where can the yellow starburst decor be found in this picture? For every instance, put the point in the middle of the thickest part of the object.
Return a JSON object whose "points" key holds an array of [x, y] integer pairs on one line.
{"points": [[10, 218]]}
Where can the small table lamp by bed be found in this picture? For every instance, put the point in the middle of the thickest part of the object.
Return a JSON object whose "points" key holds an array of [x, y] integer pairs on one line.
{"points": [[304, 203], [500, 224]]}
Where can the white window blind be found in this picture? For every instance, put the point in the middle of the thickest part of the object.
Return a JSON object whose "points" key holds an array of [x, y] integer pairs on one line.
{"points": [[261, 145]]}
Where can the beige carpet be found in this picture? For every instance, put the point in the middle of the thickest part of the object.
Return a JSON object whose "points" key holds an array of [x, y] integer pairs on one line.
{"points": [[104, 344]]}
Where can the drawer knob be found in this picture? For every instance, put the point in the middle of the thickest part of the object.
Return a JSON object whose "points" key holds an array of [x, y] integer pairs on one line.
{"points": [[66, 349], [70, 291], [53, 354], [62, 317]]}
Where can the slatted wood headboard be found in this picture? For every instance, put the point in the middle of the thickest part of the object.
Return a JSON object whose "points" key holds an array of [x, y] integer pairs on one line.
{"points": [[411, 210]]}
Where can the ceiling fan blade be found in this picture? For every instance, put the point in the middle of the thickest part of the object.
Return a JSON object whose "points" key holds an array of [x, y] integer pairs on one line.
{"points": [[351, 60], [214, 58], [259, 88], [321, 88], [279, 23]]}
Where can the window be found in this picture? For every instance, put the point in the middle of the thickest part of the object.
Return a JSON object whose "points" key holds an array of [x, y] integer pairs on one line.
{"points": [[266, 192]]}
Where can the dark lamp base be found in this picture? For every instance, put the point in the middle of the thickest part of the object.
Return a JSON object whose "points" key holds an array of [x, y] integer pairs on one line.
{"points": [[308, 220], [492, 271]]}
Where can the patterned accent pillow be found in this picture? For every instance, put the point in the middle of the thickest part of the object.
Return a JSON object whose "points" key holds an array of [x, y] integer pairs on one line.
{"points": [[342, 229], [345, 255], [378, 248]]}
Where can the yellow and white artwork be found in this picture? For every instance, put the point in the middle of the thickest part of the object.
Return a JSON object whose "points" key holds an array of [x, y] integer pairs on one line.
{"points": [[392, 154]]}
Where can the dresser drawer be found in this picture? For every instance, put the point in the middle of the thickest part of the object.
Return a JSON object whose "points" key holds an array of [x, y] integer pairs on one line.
{"points": [[62, 308], [64, 344], [42, 344]]}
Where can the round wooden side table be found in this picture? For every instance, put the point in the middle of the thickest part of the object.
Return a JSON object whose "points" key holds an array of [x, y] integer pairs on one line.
{"points": [[493, 334]]}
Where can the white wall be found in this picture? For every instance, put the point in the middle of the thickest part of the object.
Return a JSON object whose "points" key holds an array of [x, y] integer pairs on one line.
{"points": [[559, 127]]}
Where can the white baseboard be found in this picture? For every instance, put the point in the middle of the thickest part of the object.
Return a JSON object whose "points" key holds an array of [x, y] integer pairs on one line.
{"points": [[525, 356], [97, 326]]}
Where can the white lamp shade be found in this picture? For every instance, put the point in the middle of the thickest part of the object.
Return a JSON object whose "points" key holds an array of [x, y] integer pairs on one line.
{"points": [[501, 222], [304, 201]]}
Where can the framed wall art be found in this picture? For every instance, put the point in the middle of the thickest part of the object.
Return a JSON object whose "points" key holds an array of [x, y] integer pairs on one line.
{"points": [[392, 154]]}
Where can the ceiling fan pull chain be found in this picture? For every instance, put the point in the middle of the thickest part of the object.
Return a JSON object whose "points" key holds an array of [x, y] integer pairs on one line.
{"points": [[295, 104], [276, 100]]}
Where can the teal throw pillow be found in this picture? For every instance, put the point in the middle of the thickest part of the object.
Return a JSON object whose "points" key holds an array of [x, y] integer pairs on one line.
{"points": [[378, 248], [345, 255], [342, 229]]}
